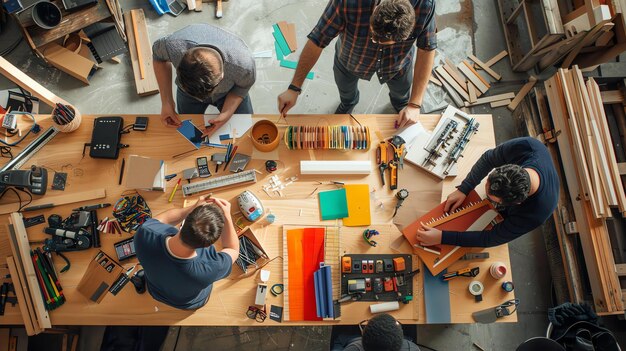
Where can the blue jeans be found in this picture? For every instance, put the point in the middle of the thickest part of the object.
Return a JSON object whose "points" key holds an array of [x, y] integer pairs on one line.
{"points": [[189, 105], [347, 83]]}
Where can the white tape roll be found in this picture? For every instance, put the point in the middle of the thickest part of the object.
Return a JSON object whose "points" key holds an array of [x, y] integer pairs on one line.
{"points": [[385, 307]]}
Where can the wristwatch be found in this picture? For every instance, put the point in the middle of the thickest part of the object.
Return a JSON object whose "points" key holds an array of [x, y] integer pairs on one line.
{"points": [[295, 88]]}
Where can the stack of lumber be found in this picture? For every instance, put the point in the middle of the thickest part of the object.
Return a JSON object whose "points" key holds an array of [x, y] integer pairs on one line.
{"points": [[543, 33], [466, 86], [592, 176]]}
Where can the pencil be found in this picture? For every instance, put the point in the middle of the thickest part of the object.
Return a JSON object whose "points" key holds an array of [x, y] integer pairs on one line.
{"points": [[174, 191], [121, 172]]}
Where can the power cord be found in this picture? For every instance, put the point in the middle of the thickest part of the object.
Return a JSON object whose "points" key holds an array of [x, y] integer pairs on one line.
{"points": [[19, 198]]}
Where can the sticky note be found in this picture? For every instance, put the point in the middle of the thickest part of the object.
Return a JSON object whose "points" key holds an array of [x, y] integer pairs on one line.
{"points": [[333, 204]]}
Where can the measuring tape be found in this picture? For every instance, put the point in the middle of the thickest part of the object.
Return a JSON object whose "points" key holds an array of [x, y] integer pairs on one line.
{"points": [[508, 286], [476, 288]]}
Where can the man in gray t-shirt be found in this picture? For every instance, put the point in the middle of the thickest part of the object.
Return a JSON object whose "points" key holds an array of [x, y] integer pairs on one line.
{"points": [[213, 67]]}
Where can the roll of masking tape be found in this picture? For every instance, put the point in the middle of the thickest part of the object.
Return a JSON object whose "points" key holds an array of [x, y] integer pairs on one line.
{"points": [[385, 307], [498, 270]]}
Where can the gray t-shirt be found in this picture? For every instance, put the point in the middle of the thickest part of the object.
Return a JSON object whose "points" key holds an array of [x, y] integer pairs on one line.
{"points": [[180, 283], [239, 67]]}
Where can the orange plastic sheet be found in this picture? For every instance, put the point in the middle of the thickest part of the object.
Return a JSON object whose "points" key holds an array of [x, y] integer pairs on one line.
{"points": [[306, 251]]}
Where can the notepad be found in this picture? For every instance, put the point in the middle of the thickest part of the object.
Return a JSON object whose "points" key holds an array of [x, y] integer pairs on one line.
{"points": [[358, 198], [333, 204]]}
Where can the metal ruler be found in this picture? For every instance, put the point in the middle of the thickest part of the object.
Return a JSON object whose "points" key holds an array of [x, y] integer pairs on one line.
{"points": [[220, 182], [30, 150]]}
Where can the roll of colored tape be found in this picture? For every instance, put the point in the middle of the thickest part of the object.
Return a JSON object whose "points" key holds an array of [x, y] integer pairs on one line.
{"points": [[508, 286], [498, 270]]}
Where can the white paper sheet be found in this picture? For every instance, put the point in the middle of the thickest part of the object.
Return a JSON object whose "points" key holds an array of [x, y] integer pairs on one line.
{"points": [[238, 123]]}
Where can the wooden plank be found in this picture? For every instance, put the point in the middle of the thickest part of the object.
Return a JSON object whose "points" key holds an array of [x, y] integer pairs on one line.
{"points": [[21, 254], [471, 88], [470, 74], [138, 39], [198, 6], [500, 103], [191, 5], [140, 59], [597, 106], [27, 83], [455, 73], [484, 67], [218, 9], [492, 61], [451, 92], [566, 149], [594, 141], [612, 97], [620, 269], [492, 98], [58, 200], [520, 95], [24, 302], [443, 74], [434, 80]]}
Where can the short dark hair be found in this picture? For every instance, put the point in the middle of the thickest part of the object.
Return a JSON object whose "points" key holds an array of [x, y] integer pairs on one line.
{"points": [[511, 183], [203, 226], [382, 333], [393, 20], [198, 73]]}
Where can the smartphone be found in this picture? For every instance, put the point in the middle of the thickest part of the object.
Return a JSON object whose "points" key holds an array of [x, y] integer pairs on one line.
{"points": [[141, 123], [191, 133]]}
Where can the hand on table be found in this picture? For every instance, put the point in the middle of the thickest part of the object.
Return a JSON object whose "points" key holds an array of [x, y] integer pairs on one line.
{"points": [[286, 101], [169, 117], [408, 115], [454, 200], [427, 236]]}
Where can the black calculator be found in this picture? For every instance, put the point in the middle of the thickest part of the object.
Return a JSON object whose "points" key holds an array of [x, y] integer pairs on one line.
{"points": [[203, 167]]}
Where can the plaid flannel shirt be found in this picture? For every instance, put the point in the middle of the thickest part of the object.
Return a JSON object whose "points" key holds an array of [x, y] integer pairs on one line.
{"points": [[350, 19]]}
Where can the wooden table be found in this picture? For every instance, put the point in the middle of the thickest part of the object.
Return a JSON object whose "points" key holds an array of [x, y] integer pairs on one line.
{"points": [[231, 297]]}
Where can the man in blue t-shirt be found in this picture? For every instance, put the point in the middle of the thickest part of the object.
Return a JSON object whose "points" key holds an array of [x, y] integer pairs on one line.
{"points": [[181, 265], [523, 184]]}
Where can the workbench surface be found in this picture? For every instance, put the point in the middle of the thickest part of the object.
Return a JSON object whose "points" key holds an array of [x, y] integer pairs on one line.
{"points": [[298, 205]]}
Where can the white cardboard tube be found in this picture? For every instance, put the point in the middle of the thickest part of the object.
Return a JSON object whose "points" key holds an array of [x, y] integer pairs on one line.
{"points": [[385, 307]]}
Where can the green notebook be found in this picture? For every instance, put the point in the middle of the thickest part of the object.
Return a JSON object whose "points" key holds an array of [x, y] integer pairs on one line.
{"points": [[333, 204]]}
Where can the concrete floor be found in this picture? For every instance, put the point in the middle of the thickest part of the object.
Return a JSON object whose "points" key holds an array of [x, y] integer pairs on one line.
{"points": [[465, 26]]}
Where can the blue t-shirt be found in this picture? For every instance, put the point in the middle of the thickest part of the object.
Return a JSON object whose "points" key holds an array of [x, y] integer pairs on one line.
{"points": [[180, 283], [519, 219]]}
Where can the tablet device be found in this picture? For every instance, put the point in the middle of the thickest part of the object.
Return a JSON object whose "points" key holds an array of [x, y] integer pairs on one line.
{"points": [[191, 133]]}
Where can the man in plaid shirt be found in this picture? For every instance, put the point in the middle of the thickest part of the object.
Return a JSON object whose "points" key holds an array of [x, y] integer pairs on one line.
{"points": [[375, 36]]}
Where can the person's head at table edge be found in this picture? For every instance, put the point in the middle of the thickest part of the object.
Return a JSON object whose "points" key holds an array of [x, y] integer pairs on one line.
{"points": [[202, 227], [392, 21], [200, 70], [382, 333], [508, 185]]}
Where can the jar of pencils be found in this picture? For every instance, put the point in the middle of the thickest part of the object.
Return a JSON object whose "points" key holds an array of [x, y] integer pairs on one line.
{"points": [[66, 118]]}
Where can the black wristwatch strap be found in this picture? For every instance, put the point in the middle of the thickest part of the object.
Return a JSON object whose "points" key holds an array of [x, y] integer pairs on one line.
{"points": [[295, 88]]}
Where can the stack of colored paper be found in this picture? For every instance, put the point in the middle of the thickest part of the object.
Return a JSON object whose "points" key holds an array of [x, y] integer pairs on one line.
{"points": [[285, 36]]}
